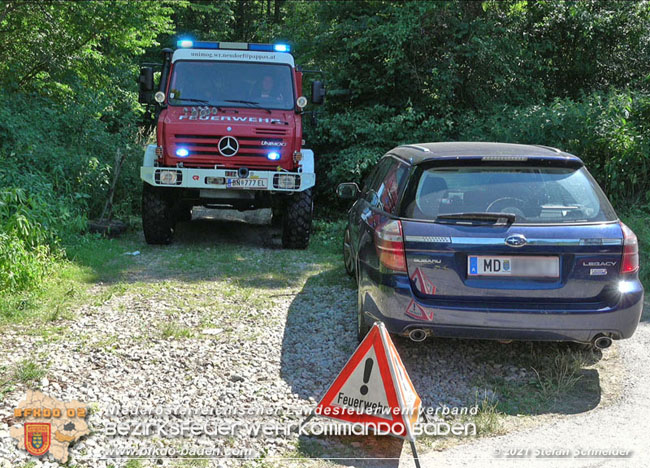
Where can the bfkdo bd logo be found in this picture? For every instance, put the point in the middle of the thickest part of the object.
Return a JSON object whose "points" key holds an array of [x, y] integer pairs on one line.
{"points": [[37, 438], [49, 426]]}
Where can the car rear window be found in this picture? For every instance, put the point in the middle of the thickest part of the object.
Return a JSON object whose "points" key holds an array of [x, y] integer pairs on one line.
{"points": [[535, 195]]}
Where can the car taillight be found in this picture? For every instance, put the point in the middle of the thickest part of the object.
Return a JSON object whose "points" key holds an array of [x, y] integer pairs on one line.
{"points": [[390, 246], [630, 262]]}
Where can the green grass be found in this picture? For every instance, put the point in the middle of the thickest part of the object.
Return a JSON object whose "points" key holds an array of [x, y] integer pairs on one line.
{"points": [[175, 330], [559, 378], [6, 381], [28, 371], [29, 464], [133, 464], [91, 260], [488, 420], [561, 375]]}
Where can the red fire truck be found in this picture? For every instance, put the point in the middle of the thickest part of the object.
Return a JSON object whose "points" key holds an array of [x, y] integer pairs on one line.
{"points": [[228, 119]]}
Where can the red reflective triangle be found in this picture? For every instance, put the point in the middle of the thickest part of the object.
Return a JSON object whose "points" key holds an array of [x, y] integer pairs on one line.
{"points": [[345, 400]]}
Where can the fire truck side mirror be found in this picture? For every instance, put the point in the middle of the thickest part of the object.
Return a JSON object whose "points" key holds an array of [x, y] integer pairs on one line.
{"points": [[145, 82], [317, 92]]}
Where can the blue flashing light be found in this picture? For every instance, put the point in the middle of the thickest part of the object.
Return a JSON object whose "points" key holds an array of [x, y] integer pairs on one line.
{"points": [[182, 153], [281, 47], [185, 43], [261, 47], [273, 156], [206, 45]]}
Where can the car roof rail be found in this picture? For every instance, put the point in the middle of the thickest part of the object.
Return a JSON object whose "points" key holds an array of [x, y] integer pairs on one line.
{"points": [[555, 150], [417, 147]]}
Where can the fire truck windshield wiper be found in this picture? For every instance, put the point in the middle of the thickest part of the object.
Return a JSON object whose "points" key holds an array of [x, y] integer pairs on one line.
{"points": [[202, 101], [251, 103]]}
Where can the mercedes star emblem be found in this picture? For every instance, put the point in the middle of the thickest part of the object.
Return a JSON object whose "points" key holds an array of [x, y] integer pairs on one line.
{"points": [[228, 146]]}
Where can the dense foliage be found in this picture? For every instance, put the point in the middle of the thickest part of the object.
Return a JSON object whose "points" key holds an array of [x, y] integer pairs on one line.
{"points": [[575, 75], [68, 105]]}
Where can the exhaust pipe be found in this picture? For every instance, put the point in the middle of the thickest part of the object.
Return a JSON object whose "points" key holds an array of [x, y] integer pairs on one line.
{"points": [[602, 342], [417, 335]]}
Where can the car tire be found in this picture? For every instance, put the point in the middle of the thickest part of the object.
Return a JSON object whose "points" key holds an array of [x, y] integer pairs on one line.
{"points": [[296, 222], [348, 259], [157, 216]]}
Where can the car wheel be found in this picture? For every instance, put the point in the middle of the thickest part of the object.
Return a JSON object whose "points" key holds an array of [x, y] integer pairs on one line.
{"points": [[348, 259], [362, 325]]}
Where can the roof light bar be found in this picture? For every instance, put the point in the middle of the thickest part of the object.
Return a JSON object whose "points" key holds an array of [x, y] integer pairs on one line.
{"points": [[261, 47], [190, 44], [233, 45], [206, 45]]}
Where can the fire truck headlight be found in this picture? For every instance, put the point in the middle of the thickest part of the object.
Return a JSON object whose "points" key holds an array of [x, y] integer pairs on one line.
{"points": [[168, 177]]}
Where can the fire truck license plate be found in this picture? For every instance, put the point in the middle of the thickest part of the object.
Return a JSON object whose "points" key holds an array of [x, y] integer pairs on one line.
{"points": [[246, 183]]}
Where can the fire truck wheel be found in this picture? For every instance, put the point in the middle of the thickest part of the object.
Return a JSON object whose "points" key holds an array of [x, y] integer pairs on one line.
{"points": [[277, 209], [183, 212], [157, 216], [297, 220]]}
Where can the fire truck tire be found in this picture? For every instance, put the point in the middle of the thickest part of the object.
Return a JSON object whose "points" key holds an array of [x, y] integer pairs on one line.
{"points": [[183, 212], [157, 215], [297, 220], [277, 210]]}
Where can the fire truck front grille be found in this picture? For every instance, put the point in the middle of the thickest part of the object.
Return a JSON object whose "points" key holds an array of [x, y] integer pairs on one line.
{"points": [[277, 132], [203, 149]]}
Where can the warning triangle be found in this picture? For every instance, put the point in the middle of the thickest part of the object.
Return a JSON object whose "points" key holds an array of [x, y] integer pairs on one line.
{"points": [[374, 389]]}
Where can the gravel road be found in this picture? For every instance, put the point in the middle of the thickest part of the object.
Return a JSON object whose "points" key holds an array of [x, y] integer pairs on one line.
{"points": [[222, 319], [623, 427]]}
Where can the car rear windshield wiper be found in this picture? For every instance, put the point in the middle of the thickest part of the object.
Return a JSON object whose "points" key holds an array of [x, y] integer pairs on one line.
{"points": [[251, 103], [469, 218]]}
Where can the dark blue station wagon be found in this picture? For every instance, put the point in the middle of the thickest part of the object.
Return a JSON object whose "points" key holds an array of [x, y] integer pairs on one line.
{"points": [[490, 240]]}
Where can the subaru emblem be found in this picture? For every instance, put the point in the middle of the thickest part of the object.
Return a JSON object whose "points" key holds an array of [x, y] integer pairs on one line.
{"points": [[516, 240]]}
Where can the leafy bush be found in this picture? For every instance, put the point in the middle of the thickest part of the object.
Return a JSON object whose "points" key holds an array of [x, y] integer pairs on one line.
{"points": [[21, 267], [608, 131], [32, 219]]}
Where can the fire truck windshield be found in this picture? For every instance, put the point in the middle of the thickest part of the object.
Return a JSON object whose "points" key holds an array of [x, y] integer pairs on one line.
{"points": [[232, 84]]}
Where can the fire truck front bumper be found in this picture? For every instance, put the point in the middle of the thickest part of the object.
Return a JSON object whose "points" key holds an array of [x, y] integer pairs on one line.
{"points": [[227, 179]]}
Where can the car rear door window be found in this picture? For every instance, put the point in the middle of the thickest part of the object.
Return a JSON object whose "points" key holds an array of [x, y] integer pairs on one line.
{"points": [[536, 195]]}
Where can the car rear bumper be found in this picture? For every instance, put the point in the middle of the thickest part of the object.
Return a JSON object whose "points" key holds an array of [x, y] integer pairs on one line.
{"points": [[401, 311]]}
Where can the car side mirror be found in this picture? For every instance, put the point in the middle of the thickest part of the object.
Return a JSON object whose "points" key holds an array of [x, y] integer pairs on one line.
{"points": [[145, 82], [348, 191], [318, 92]]}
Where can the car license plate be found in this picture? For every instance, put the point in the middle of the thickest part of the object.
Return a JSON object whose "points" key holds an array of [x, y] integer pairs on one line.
{"points": [[524, 266], [246, 183]]}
